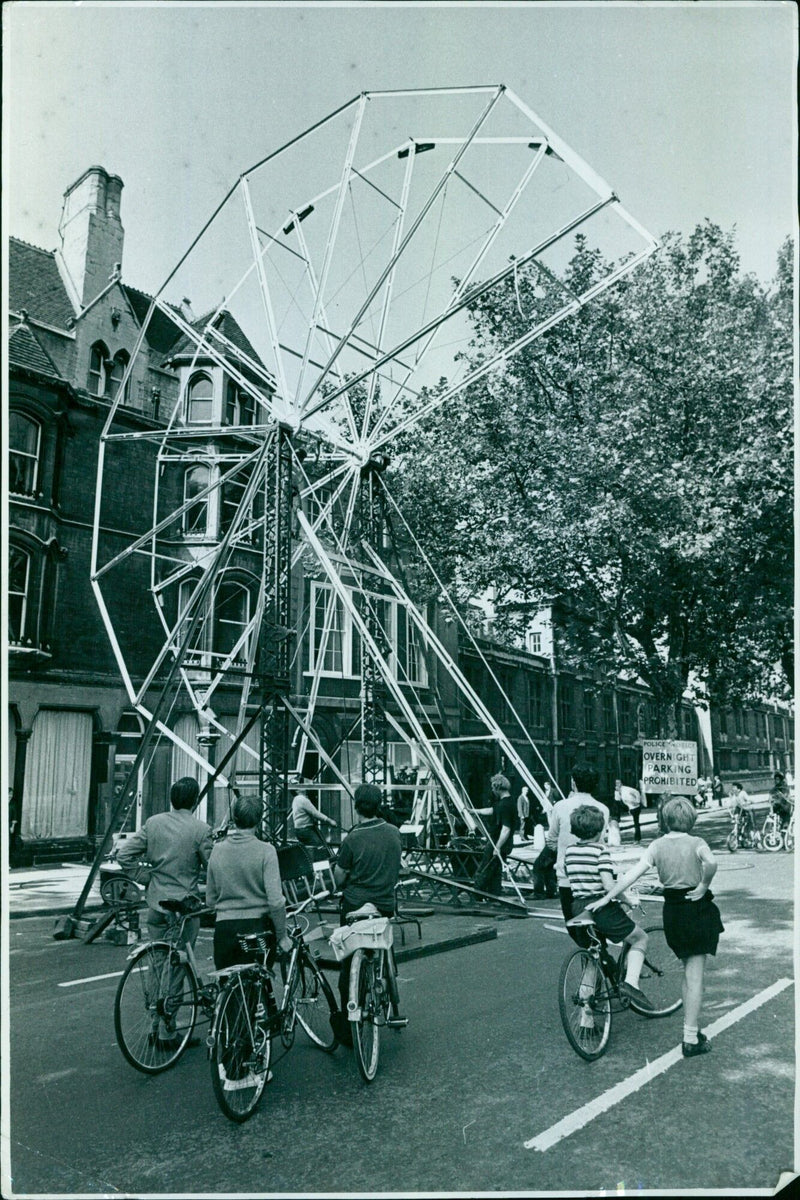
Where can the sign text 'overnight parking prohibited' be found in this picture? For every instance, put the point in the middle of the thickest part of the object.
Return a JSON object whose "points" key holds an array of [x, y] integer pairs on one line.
{"points": [[669, 766]]}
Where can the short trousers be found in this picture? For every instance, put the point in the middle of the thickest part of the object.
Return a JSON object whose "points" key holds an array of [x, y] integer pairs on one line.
{"points": [[691, 927], [611, 920], [227, 951]]}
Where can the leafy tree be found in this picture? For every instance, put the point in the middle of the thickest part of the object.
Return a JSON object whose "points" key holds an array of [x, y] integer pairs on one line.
{"points": [[632, 466]]}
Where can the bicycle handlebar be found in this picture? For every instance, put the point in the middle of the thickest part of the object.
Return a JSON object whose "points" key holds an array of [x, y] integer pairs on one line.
{"points": [[311, 899]]}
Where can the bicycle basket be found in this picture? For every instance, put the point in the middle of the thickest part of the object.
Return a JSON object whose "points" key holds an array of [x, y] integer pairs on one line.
{"points": [[374, 934]]}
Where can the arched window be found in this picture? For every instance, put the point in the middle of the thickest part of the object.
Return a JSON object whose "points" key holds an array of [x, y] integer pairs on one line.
{"points": [[98, 369], [24, 445], [232, 614], [200, 400], [118, 367], [19, 582], [201, 637], [195, 519]]}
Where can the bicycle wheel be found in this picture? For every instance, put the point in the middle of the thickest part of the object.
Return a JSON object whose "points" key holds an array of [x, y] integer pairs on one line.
{"points": [[366, 1030], [241, 1050], [155, 1008], [314, 1005], [661, 979], [584, 1002], [732, 842], [772, 837], [788, 840]]}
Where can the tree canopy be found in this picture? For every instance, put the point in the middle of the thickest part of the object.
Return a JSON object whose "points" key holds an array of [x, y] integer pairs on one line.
{"points": [[632, 466]]}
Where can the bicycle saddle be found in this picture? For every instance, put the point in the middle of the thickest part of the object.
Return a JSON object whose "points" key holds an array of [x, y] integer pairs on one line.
{"points": [[361, 914], [582, 921]]}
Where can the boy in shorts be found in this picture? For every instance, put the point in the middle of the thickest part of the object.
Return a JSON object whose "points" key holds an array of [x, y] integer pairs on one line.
{"points": [[591, 875]]}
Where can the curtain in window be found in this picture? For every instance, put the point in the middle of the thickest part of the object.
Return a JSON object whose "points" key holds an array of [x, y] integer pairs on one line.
{"points": [[57, 776]]}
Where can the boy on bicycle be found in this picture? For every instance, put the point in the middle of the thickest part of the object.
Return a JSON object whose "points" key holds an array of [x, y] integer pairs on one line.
{"points": [[742, 803], [591, 875], [780, 800]]}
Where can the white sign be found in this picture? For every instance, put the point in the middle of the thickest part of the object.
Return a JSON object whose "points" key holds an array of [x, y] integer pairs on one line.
{"points": [[669, 766]]}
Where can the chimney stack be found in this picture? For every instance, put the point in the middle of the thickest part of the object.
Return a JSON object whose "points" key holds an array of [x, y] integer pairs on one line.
{"points": [[91, 231]]}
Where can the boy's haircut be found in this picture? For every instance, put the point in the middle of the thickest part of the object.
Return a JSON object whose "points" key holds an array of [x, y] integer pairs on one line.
{"points": [[184, 792], [247, 811], [584, 776], [500, 785], [367, 799], [736, 785], [586, 821], [678, 815]]}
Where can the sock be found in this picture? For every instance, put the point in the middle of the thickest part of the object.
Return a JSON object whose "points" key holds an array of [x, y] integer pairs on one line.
{"points": [[633, 967], [690, 1034]]}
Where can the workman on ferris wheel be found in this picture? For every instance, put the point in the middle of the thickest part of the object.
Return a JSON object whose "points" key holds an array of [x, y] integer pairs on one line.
{"points": [[306, 820]]}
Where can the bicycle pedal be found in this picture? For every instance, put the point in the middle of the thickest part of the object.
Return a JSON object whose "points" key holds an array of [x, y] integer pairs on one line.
{"points": [[397, 1022]]}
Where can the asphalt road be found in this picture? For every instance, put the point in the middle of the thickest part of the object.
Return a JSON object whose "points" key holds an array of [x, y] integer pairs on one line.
{"points": [[482, 1069]]}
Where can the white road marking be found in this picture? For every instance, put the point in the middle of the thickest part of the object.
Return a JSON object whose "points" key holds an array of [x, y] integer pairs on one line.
{"points": [[582, 1116], [555, 928], [91, 979]]}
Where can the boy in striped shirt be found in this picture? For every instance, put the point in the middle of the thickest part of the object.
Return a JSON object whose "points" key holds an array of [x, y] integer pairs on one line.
{"points": [[591, 874]]}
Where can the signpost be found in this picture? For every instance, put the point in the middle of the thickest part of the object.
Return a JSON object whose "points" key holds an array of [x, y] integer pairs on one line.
{"points": [[669, 766]]}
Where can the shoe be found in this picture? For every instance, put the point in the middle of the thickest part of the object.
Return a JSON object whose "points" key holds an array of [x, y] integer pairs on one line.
{"points": [[635, 994], [692, 1049], [164, 1043], [341, 1028]]}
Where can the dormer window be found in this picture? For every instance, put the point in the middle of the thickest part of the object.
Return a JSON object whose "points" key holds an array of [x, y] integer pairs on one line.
{"points": [[118, 368], [195, 519], [200, 400], [25, 440], [98, 368]]}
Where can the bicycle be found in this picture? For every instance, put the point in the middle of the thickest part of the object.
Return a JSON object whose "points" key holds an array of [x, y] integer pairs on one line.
{"points": [[247, 1017], [590, 981], [161, 993], [374, 997], [743, 833]]}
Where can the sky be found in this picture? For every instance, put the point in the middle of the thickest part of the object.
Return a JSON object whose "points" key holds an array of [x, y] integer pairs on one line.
{"points": [[687, 110]]}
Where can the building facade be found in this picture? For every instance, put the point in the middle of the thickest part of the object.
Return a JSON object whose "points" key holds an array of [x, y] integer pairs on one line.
{"points": [[74, 327]]}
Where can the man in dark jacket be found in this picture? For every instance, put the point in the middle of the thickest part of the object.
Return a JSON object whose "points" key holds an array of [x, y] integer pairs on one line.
{"points": [[502, 823]]}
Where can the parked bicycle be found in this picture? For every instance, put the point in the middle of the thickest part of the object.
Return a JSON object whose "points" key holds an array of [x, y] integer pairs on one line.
{"points": [[788, 834], [743, 834], [161, 994], [374, 998], [247, 1018], [589, 986]]}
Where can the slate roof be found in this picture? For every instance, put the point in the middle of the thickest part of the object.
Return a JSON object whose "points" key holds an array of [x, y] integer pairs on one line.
{"points": [[34, 284], [161, 333], [24, 350], [227, 326]]}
